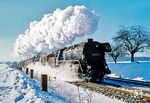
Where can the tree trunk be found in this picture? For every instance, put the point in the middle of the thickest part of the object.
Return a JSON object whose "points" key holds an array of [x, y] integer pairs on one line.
{"points": [[132, 57], [115, 60]]}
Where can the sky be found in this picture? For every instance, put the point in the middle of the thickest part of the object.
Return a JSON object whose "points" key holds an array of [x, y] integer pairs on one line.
{"points": [[16, 15]]}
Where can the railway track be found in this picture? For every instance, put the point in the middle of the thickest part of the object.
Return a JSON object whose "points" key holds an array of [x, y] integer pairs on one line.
{"points": [[121, 93], [141, 83], [127, 88]]}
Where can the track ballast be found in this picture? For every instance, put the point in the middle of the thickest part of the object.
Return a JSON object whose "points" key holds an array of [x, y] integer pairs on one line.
{"points": [[118, 93]]}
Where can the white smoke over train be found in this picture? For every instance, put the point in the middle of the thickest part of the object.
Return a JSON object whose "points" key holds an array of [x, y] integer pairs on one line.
{"points": [[56, 30]]}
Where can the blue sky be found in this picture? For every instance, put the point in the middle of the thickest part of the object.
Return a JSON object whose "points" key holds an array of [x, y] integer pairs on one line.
{"points": [[16, 15]]}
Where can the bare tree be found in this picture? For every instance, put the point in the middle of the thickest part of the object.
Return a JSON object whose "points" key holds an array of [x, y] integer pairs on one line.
{"points": [[117, 51], [134, 39]]}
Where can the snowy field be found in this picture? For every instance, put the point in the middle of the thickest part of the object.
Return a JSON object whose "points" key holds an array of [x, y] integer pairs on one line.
{"points": [[132, 70], [16, 87]]}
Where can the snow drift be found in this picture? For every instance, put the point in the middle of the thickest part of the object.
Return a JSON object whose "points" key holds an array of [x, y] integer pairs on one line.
{"points": [[55, 30]]}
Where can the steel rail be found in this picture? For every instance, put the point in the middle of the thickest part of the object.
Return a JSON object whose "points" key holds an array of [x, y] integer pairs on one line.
{"points": [[144, 83]]}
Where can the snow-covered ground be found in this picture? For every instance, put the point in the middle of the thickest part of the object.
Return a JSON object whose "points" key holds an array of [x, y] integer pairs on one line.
{"points": [[7, 79], [132, 70], [16, 87]]}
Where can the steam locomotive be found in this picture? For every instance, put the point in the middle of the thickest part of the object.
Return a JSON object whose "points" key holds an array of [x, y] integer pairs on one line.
{"points": [[89, 56]]}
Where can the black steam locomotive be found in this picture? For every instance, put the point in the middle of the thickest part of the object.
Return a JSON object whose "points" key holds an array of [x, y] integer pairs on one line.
{"points": [[89, 56]]}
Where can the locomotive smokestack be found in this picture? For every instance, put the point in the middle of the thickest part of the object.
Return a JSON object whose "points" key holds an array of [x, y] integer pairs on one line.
{"points": [[90, 40]]}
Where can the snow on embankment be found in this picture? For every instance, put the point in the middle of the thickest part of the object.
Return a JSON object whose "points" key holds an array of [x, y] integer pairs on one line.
{"points": [[7, 79], [67, 72], [28, 90], [133, 70], [17, 87]]}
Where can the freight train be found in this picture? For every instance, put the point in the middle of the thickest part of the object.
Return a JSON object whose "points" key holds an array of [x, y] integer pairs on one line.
{"points": [[89, 56]]}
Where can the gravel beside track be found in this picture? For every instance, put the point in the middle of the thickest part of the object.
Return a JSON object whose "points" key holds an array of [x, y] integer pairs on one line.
{"points": [[118, 93]]}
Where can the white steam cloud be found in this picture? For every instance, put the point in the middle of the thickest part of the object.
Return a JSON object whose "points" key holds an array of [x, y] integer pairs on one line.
{"points": [[56, 30]]}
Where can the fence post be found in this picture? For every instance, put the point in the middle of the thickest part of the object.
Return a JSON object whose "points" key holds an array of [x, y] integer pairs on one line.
{"points": [[21, 68], [27, 70], [44, 82], [31, 73]]}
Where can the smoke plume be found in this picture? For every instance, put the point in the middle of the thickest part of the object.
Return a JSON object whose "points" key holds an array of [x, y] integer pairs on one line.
{"points": [[55, 30]]}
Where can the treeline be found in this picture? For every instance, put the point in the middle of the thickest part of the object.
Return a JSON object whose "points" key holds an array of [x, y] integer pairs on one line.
{"points": [[129, 41]]}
